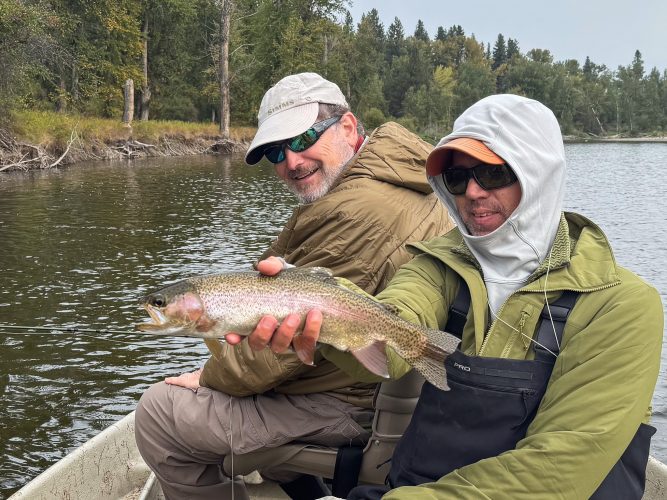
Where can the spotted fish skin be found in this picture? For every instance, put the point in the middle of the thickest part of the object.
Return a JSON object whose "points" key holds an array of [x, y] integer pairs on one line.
{"points": [[214, 305]]}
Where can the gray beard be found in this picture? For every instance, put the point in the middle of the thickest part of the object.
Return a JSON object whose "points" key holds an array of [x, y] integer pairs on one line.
{"points": [[330, 176]]}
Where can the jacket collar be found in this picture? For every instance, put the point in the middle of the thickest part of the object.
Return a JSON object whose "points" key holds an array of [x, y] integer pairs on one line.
{"points": [[581, 258]]}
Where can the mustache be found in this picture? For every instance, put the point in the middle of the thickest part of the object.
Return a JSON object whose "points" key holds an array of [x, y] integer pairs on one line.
{"points": [[484, 206]]}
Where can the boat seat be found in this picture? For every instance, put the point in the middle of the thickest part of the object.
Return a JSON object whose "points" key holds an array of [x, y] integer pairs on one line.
{"points": [[394, 403]]}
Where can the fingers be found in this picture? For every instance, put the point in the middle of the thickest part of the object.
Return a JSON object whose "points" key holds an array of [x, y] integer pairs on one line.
{"points": [[270, 266], [187, 380], [261, 335], [283, 336], [313, 325], [233, 338], [268, 333], [304, 344]]}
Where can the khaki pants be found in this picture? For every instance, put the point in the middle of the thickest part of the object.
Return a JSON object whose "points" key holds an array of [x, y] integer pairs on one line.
{"points": [[184, 436]]}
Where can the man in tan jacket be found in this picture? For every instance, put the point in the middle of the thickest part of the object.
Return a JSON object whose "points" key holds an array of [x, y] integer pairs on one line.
{"points": [[361, 200]]}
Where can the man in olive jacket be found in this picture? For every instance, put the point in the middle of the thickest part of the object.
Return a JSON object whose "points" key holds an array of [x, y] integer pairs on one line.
{"points": [[551, 386], [362, 199]]}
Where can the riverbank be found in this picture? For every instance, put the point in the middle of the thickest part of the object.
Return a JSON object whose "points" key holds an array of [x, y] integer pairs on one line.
{"points": [[613, 138], [39, 140]]}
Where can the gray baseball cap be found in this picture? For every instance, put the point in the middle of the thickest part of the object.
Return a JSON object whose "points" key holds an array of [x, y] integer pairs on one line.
{"points": [[289, 108]]}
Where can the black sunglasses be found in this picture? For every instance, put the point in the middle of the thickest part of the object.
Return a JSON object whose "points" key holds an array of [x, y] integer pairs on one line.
{"points": [[275, 152], [487, 176]]}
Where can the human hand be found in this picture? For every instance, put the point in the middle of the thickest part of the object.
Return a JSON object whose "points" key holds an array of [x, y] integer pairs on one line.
{"points": [[268, 333], [278, 337], [267, 324], [188, 380]]}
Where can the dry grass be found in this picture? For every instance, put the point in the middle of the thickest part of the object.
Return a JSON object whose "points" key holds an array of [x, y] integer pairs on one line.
{"points": [[53, 130]]}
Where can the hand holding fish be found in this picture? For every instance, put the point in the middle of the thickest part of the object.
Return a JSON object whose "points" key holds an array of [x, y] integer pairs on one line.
{"points": [[278, 337], [298, 307]]}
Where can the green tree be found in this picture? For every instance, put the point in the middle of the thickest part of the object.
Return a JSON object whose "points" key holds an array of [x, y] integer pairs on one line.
{"points": [[474, 80], [26, 47], [499, 52], [512, 49], [395, 40], [366, 67], [630, 89], [420, 32]]}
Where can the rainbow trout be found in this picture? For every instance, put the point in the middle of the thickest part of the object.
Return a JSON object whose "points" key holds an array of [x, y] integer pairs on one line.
{"points": [[211, 306]]}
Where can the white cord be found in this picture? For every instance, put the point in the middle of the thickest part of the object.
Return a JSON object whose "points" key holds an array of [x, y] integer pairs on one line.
{"points": [[521, 333], [548, 309], [546, 301]]}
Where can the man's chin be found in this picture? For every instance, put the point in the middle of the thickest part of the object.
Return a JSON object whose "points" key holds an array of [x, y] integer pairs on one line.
{"points": [[308, 195]]}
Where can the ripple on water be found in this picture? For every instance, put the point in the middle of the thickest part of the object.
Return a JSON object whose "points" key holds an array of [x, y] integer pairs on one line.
{"points": [[101, 235]]}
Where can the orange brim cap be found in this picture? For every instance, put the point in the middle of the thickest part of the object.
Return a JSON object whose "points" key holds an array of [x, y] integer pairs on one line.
{"points": [[440, 157]]}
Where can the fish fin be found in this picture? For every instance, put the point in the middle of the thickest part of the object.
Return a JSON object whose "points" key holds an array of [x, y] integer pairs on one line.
{"points": [[390, 308], [431, 364], [305, 349], [215, 346], [205, 323], [373, 357]]}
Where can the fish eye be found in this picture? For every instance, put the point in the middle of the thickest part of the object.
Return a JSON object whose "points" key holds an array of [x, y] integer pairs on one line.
{"points": [[158, 300]]}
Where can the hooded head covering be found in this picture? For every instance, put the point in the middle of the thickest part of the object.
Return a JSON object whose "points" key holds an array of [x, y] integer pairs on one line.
{"points": [[526, 135]]}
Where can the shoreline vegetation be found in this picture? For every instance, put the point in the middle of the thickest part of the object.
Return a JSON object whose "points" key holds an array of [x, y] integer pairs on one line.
{"points": [[42, 140], [64, 61]]}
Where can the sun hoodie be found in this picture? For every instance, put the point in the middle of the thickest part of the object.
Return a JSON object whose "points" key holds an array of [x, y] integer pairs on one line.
{"points": [[526, 134]]}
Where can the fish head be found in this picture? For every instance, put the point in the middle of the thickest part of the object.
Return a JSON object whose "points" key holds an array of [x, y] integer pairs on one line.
{"points": [[175, 310]]}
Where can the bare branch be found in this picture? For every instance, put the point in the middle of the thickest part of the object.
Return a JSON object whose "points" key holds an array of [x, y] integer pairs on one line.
{"points": [[72, 137]]}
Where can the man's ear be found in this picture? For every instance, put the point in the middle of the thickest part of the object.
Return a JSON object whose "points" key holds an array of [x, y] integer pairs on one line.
{"points": [[348, 127]]}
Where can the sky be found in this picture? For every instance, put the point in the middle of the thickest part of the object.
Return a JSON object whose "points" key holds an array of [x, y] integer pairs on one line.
{"points": [[608, 31]]}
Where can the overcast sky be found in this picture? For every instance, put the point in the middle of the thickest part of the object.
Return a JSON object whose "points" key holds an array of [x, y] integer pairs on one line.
{"points": [[608, 31]]}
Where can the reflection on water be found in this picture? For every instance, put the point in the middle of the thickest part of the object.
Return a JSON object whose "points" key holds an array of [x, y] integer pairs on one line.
{"points": [[80, 245]]}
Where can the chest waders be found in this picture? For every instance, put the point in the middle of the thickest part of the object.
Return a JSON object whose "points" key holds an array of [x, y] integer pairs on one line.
{"points": [[487, 411]]}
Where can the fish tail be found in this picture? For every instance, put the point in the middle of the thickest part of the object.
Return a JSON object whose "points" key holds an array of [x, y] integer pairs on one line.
{"points": [[431, 364]]}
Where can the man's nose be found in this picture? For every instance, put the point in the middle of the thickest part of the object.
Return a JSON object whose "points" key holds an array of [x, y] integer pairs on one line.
{"points": [[474, 191], [292, 159]]}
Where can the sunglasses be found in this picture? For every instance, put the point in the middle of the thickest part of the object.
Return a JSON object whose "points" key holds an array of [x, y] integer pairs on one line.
{"points": [[487, 176], [275, 152]]}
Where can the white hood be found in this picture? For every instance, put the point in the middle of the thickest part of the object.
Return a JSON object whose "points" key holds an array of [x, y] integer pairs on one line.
{"points": [[526, 134]]}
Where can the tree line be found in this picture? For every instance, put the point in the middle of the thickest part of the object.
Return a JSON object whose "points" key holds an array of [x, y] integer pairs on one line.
{"points": [[200, 60]]}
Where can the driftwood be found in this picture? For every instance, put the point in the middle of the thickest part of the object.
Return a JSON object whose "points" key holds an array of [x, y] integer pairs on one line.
{"points": [[224, 146], [23, 156], [132, 148], [15, 155]]}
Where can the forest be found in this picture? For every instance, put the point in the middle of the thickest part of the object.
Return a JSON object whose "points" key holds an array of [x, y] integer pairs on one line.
{"points": [[74, 56]]}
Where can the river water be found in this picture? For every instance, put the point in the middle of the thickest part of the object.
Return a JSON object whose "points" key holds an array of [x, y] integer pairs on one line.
{"points": [[80, 245]]}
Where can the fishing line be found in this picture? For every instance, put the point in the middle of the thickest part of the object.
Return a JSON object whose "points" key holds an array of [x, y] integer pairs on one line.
{"points": [[62, 329], [82, 332]]}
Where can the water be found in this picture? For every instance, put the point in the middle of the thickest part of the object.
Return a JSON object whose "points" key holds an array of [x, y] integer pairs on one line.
{"points": [[79, 245]]}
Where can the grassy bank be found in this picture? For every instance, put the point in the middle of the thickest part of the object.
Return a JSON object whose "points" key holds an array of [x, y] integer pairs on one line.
{"points": [[44, 139]]}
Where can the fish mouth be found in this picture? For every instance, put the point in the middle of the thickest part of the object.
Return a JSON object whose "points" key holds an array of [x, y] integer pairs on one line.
{"points": [[158, 321]]}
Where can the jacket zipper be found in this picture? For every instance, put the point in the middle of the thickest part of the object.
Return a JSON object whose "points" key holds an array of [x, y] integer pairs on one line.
{"points": [[500, 311]]}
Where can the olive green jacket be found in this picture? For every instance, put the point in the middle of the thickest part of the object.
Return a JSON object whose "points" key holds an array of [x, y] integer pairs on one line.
{"points": [[359, 231], [601, 386]]}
